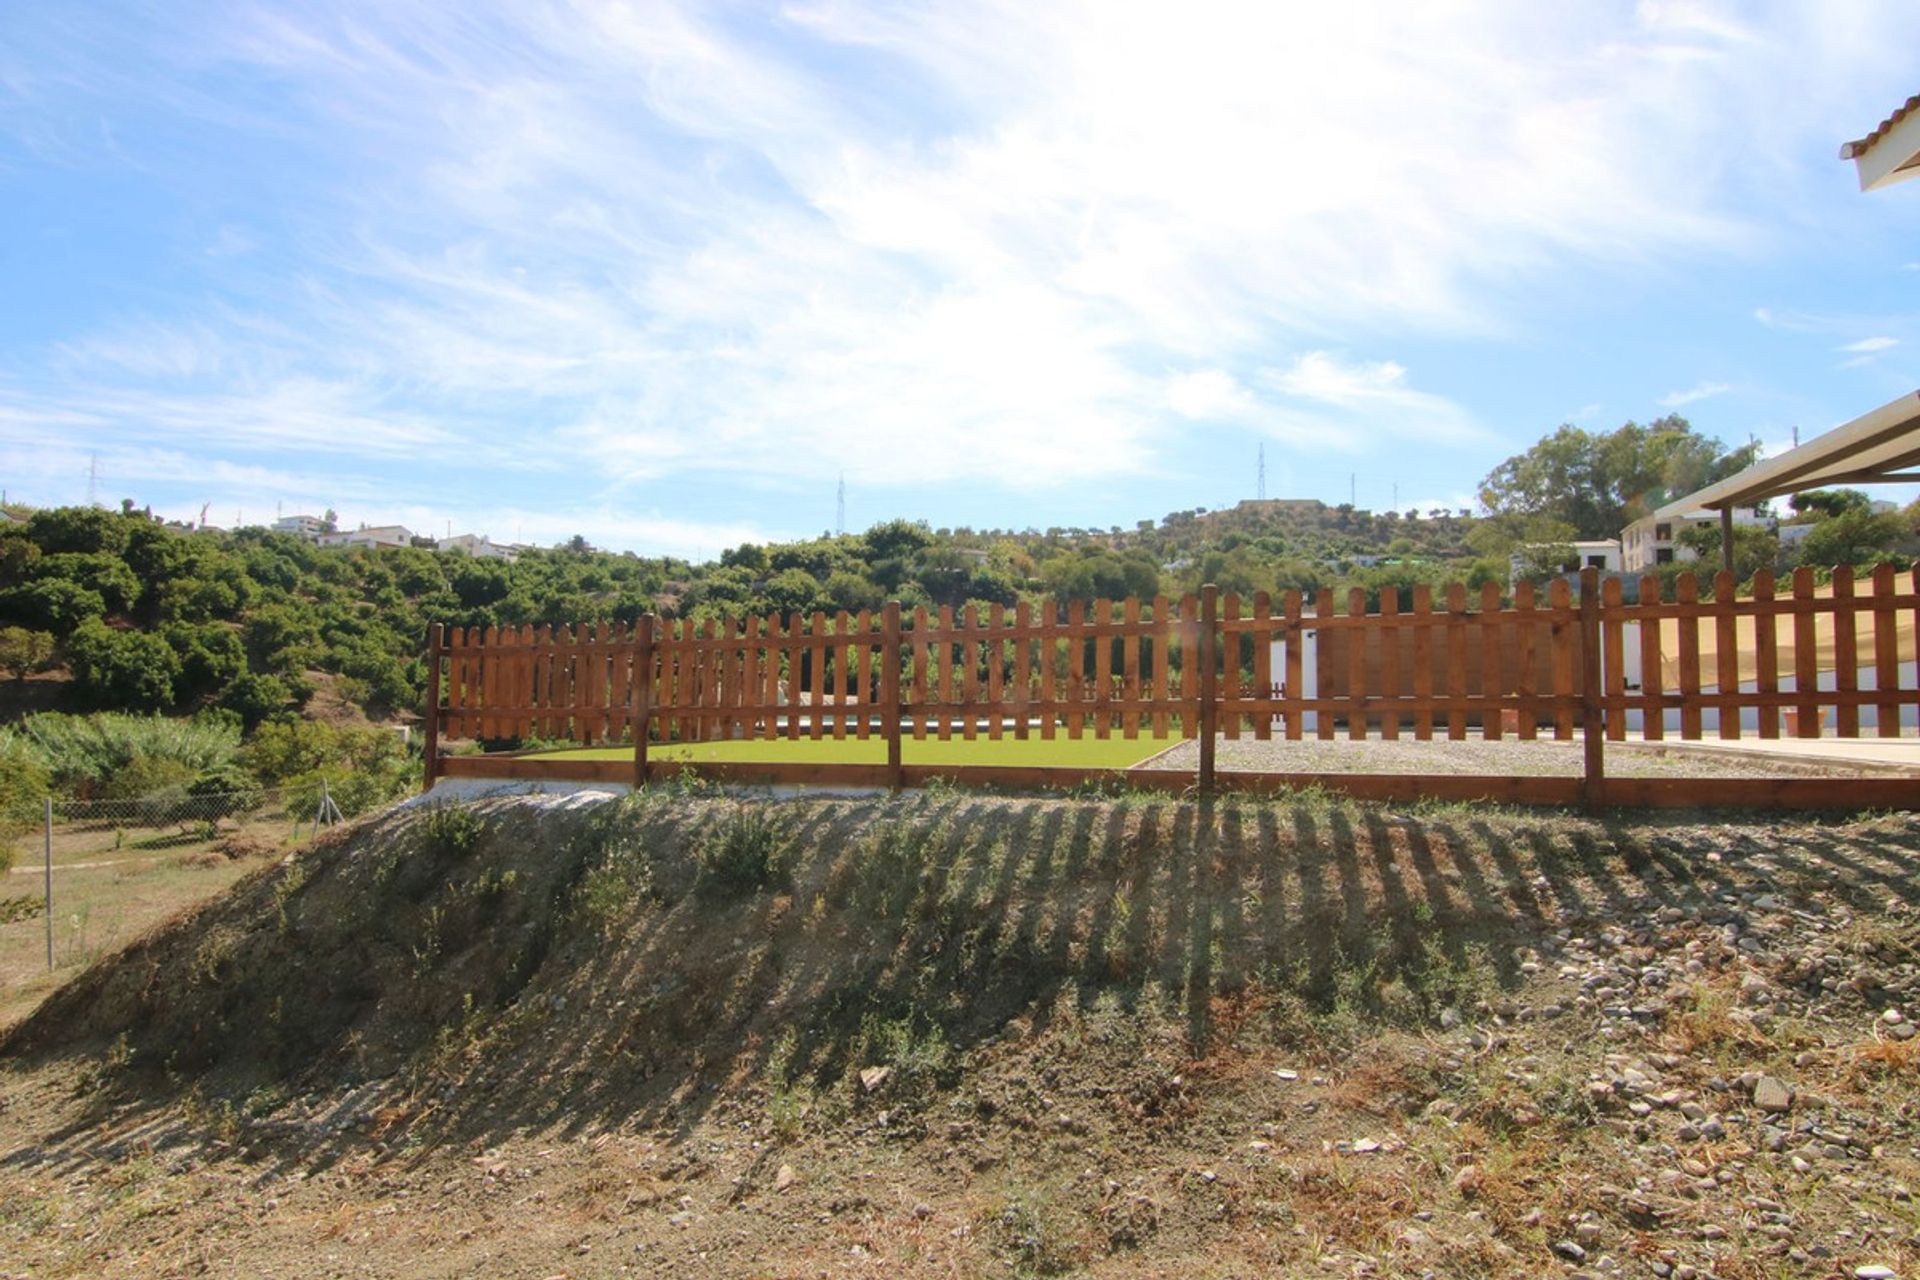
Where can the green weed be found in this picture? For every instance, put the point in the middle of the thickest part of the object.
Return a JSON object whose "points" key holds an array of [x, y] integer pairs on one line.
{"points": [[744, 852]]}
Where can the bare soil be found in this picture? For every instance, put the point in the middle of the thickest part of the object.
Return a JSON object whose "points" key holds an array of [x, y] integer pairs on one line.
{"points": [[957, 1035]]}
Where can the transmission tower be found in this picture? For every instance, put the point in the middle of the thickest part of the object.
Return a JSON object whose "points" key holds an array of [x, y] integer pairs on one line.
{"points": [[93, 480], [840, 507], [1262, 482]]}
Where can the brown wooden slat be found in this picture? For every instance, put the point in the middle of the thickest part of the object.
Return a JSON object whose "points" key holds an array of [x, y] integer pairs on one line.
{"points": [[1653, 721], [1357, 667], [996, 658], [922, 651], [1560, 601], [1494, 624], [1422, 660], [1263, 659], [1076, 691], [1161, 638], [1189, 666], [1102, 668], [1048, 655], [1227, 681], [1391, 632], [1726, 649], [1292, 691], [1687, 588], [1526, 622], [1886, 651], [1022, 668], [1324, 656], [1613, 656], [1846, 650], [1130, 667], [1766, 652], [1456, 657], [970, 658], [1806, 677]]}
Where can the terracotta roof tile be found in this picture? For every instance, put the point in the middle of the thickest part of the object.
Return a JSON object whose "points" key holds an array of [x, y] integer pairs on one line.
{"points": [[1854, 150]]}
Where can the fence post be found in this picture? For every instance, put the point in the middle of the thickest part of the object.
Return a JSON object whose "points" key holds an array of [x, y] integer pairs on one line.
{"points": [[642, 696], [1592, 714], [49, 880], [435, 640], [1205, 655], [890, 690]]}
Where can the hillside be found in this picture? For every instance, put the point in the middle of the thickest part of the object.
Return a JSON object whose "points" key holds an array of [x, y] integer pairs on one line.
{"points": [[967, 1035], [148, 617]]}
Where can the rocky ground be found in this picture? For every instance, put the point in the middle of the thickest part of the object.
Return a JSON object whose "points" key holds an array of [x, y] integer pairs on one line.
{"points": [[1133, 1037]]}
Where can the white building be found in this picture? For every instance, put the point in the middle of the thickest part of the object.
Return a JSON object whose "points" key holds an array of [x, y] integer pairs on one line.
{"points": [[309, 527], [1655, 539], [479, 546], [379, 535]]}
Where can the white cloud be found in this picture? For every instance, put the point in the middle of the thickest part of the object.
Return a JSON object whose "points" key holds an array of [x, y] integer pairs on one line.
{"points": [[955, 242], [1325, 397], [1208, 394], [1692, 395], [1871, 345]]}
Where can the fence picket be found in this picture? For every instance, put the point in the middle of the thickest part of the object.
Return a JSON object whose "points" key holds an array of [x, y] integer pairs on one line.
{"points": [[1806, 671], [1686, 590], [1526, 621], [1846, 653], [1560, 601], [1726, 651], [1766, 653], [1653, 719], [1390, 632], [1493, 676], [1886, 653], [1423, 662], [1456, 660]]}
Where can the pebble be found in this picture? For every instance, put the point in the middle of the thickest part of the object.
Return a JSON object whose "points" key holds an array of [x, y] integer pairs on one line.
{"points": [[1772, 1095]]}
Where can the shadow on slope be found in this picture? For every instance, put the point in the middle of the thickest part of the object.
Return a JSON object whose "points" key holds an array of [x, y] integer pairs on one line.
{"points": [[459, 973]]}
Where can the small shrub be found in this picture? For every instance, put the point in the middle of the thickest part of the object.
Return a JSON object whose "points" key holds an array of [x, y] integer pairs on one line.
{"points": [[451, 830], [742, 854]]}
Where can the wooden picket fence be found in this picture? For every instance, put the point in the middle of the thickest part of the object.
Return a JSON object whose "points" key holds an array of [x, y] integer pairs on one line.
{"points": [[1213, 666]]}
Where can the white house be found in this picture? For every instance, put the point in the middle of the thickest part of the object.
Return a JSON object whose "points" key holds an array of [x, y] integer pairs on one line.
{"points": [[379, 535], [1655, 539], [479, 546]]}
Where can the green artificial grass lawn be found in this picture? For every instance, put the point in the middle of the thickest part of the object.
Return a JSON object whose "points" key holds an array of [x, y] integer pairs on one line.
{"points": [[1085, 753]]}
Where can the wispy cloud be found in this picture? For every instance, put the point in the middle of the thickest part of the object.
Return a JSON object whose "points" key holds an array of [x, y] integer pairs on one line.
{"points": [[1869, 345], [1005, 246], [1694, 394]]}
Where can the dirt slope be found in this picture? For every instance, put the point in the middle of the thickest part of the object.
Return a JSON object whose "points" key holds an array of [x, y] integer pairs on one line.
{"points": [[960, 1035]]}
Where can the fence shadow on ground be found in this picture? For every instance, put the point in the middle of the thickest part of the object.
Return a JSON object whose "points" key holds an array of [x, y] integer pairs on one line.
{"points": [[573, 970]]}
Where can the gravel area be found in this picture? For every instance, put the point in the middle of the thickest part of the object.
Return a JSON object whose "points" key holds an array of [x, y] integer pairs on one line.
{"points": [[1477, 756]]}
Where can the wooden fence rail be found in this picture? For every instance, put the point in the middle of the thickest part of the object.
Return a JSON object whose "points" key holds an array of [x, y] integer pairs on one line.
{"points": [[1217, 666]]}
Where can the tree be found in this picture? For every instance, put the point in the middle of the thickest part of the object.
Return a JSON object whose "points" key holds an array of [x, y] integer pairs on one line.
{"points": [[1856, 537], [24, 652], [1601, 482], [122, 670], [55, 604], [896, 539], [1830, 502], [1754, 548]]}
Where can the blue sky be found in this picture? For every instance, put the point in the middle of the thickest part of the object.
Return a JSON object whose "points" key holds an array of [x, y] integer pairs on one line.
{"points": [[660, 273]]}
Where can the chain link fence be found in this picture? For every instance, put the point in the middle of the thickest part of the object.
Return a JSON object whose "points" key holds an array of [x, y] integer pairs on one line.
{"points": [[94, 874]]}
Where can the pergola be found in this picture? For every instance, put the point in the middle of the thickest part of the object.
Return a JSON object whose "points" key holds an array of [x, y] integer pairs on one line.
{"points": [[1881, 447], [1891, 153]]}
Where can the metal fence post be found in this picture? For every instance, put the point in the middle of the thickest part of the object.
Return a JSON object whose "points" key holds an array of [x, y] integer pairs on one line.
{"points": [[1209, 690], [1592, 714], [49, 880]]}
